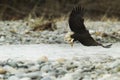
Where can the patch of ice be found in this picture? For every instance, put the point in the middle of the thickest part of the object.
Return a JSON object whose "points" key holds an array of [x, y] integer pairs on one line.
{"points": [[54, 51]]}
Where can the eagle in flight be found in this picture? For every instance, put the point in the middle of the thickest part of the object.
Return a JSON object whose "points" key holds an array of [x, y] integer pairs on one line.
{"points": [[79, 31]]}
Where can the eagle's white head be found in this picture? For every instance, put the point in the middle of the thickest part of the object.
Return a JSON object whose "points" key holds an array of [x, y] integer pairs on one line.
{"points": [[68, 38]]}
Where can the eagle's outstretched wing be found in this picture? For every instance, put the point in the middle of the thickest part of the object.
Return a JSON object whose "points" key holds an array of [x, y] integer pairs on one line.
{"points": [[76, 23]]}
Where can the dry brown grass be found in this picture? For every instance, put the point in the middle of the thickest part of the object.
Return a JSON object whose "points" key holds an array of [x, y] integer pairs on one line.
{"points": [[39, 24], [16, 9]]}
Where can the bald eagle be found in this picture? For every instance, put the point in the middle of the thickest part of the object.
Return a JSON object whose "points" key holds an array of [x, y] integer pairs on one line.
{"points": [[79, 31]]}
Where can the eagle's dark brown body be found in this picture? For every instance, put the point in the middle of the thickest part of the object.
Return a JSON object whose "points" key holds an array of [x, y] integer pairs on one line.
{"points": [[81, 34]]}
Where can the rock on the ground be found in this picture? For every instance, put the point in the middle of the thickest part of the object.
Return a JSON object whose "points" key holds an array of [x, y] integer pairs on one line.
{"points": [[103, 68]]}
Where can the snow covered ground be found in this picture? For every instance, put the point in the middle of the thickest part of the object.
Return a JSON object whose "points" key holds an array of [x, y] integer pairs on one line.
{"points": [[22, 56], [54, 51], [59, 62]]}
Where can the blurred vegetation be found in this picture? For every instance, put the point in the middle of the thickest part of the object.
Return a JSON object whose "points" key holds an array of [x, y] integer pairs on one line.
{"points": [[49, 9]]}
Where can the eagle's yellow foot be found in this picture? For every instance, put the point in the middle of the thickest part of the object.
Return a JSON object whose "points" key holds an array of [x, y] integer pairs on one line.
{"points": [[71, 42]]}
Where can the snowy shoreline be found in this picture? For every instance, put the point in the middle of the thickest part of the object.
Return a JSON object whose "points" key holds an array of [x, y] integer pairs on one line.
{"points": [[46, 56], [18, 32]]}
